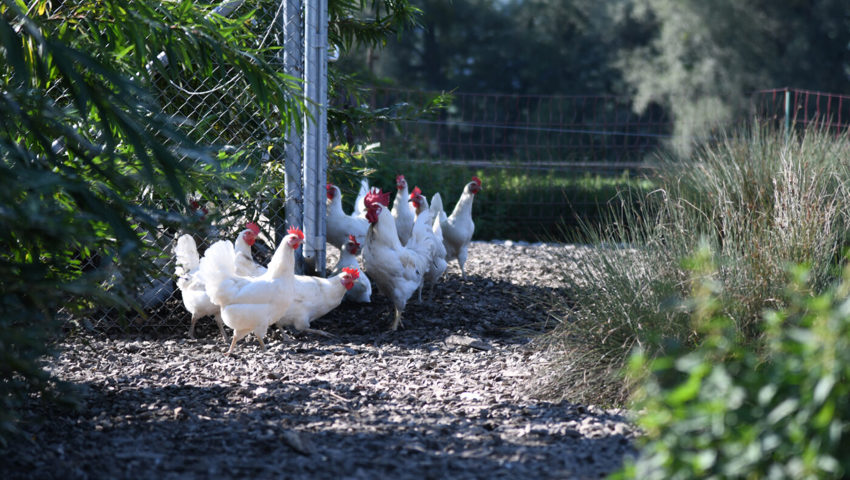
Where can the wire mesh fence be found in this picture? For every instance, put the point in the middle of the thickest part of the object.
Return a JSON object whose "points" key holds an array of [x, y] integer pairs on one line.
{"points": [[537, 131], [225, 116], [800, 108], [547, 162], [552, 162]]}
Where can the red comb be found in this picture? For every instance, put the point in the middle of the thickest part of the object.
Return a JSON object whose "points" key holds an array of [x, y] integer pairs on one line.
{"points": [[399, 178], [296, 231], [376, 197], [329, 186], [415, 193], [477, 180], [253, 227], [353, 239], [355, 274]]}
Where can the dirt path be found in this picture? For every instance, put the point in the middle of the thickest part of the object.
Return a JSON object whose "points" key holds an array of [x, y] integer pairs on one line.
{"points": [[445, 397]]}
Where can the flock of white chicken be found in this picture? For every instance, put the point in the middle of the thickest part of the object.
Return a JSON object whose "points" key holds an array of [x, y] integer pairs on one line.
{"points": [[401, 249]]}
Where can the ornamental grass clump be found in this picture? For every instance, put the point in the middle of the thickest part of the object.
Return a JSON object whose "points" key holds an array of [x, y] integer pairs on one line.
{"points": [[760, 201]]}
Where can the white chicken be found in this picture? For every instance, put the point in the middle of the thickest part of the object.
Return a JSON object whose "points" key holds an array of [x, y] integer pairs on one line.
{"points": [[396, 269], [190, 283], [402, 213], [312, 297], [361, 292], [339, 224], [251, 304], [458, 227], [245, 264], [438, 263]]}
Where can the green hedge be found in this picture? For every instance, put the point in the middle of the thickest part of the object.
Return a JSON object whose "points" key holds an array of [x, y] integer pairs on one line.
{"points": [[515, 203]]}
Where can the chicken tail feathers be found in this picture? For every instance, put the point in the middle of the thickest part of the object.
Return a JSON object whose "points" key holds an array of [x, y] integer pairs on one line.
{"points": [[218, 267], [421, 241], [436, 208], [359, 207], [186, 254]]}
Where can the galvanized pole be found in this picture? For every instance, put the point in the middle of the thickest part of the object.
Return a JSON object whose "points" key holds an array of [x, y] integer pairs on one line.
{"points": [[293, 64], [315, 133], [787, 114]]}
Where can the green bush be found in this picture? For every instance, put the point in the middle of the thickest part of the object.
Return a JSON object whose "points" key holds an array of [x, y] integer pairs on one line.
{"points": [[90, 165], [516, 203], [726, 410]]}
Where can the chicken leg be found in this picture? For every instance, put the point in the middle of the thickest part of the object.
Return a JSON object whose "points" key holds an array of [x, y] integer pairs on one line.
{"points": [[397, 321], [217, 321], [237, 335], [221, 327], [192, 326], [461, 259]]}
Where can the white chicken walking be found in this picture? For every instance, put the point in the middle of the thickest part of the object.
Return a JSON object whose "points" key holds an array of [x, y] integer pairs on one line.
{"points": [[245, 264], [251, 304], [397, 270], [312, 297], [191, 284], [458, 227]]}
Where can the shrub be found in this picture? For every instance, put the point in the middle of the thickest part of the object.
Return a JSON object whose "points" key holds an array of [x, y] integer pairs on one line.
{"points": [[88, 161], [516, 203], [725, 410]]}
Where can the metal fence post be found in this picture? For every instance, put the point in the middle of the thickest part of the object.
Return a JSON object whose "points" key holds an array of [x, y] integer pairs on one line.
{"points": [[787, 114], [315, 133], [293, 64]]}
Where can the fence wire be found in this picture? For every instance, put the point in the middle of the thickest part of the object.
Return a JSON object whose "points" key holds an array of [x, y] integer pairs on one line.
{"points": [[225, 114]]}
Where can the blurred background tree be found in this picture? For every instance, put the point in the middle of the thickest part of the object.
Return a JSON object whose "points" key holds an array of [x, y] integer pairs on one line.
{"points": [[703, 60], [699, 60]]}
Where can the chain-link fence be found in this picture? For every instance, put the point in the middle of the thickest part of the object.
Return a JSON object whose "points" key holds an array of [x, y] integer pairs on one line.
{"points": [[226, 116]]}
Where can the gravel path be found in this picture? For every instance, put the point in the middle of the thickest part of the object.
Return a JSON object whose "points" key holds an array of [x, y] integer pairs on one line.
{"points": [[446, 397]]}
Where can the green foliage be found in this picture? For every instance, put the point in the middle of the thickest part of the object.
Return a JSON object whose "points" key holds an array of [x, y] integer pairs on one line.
{"points": [[759, 204], [90, 163], [355, 25], [515, 203], [726, 410], [368, 23], [101, 138]]}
